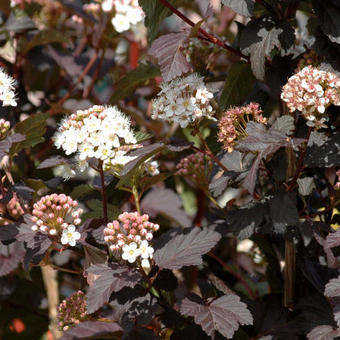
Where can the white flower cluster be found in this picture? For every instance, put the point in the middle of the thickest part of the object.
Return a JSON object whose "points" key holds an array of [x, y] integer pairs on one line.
{"points": [[7, 94], [183, 100], [100, 132], [130, 252], [127, 13]]}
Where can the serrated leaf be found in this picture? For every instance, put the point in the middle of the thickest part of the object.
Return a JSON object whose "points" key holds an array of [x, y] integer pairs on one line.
{"points": [[328, 15], [332, 288], [324, 332], [224, 315], [326, 155], [283, 211], [242, 7], [285, 124], [141, 155], [127, 84], [258, 39], [53, 161], [186, 249], [265, 143], [90, 329], [33, 128], [219, 284], [168, 51], [112, 278], [142, 136], [306, 185], [8, 232], [45, 37], [239, 83]]}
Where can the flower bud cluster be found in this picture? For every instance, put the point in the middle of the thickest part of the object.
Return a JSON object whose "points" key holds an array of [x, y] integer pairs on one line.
{"points": [[57, 215], [127, 13], [100, 132], [311, 91], [232, 125], [14, 208], [72, 310], [197, 167], [7, 94], [131, 234], [183, 100], [4, 128]]}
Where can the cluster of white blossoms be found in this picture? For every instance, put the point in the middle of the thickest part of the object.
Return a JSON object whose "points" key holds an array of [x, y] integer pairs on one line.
{"points": [[127, 13], [311, 91], [130, 236], [183, 100], [7, 94], [100, 132]]}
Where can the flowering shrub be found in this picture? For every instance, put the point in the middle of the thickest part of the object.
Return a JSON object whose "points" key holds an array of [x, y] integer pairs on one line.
{"points": [[169, 169]]}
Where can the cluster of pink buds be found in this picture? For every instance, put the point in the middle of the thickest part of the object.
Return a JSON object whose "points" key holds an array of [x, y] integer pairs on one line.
{"points": [[14, 208], [72, 310], [57, 215], [197, 167], [232, 125], [311, 91], [4, 128], [337, 184], [130, 235]]}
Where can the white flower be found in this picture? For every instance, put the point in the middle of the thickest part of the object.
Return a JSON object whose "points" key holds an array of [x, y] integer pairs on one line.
{"points": [[107, 5], [130, 252], [8, 98], [146, 265], [70, 235], [145, 250], [152, 168], [120, 23], [7, 95]]}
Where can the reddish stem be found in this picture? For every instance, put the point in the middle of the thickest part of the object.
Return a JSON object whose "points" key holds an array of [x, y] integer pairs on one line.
{"points": [[210, 37], [234, 273]]}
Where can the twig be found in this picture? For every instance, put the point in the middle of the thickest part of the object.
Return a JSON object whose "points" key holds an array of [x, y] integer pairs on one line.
{"points": [[65, 270], [234, 273], [210, 37], [104, 195], [136, 196], [51, 285]]}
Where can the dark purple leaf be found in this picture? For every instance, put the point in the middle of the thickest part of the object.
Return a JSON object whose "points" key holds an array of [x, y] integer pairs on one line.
{"points": [[89, 329], [265, 142], [224, 315], [112, 278], [10, 257], [186, 249], [8, 232], [93, 256], [6, 144], [168, 51], [283, 211], [166, 202], [53, 161]]}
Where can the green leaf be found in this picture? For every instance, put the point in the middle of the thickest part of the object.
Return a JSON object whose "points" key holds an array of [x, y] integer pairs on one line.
{"points": [[81, 190], [239, 83], [126, 85], [33, 128], [155, 13], [96, 210], [149, 181], [142, 136], [43, 38]]}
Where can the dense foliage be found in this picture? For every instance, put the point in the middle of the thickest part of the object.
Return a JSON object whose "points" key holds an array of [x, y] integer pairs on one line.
{"points": [[169, 169]]}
